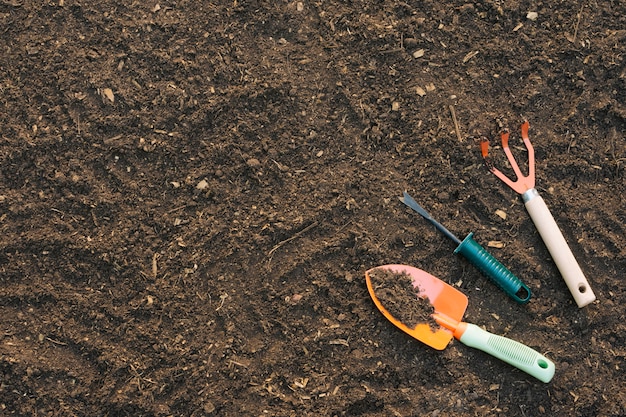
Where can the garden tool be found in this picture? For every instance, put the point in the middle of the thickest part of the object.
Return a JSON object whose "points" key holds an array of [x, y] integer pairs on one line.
{"points": [[542, 218], [479, 257], [448, 305]]}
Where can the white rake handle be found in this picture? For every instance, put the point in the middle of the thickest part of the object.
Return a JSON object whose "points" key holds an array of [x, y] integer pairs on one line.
{"points": [[558, 248]]}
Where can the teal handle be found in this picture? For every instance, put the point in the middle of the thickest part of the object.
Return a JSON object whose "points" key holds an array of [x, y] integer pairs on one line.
{"points": [[514, 353], [493, 269]]}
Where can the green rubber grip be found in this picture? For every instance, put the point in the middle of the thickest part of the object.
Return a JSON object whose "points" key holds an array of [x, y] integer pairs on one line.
{"points": [[514, 353], [493, 269]]}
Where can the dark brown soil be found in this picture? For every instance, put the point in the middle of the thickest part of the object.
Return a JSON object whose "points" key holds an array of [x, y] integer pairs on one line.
{"points": [[401, 298], [191, 191]]}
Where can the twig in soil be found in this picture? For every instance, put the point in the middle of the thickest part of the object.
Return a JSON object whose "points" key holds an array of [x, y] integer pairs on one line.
{"points": [[295, 236], [155, 268], [56, 342], [618, 161], [391, 51], [456, 123], [572, 38], [232, 362], [94, 218], [178, 208], [343, 342], [222, 298], [521, 407]]}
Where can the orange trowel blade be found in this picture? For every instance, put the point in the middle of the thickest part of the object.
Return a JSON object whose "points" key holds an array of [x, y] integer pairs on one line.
{"points": [[448, 302]]}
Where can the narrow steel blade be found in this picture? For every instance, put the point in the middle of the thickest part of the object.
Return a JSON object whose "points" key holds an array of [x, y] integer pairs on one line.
{"points": [[411, 203]]}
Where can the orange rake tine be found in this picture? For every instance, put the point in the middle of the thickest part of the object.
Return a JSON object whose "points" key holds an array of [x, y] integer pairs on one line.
{"points": [[523, 183]]}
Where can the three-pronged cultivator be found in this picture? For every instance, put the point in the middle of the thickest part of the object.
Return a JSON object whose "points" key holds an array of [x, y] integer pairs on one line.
{"points": [[541, 217]]}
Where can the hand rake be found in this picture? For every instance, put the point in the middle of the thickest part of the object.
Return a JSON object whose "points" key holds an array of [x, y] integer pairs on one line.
{"points": [[541, 216]]}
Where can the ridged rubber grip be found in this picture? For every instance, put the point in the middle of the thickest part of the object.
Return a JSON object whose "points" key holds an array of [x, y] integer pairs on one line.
{"points": [[514, 353], [493, 269]]}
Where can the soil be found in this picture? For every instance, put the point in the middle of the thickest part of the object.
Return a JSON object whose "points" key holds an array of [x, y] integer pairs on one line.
{"points": [[191, 191], [401, 298]]}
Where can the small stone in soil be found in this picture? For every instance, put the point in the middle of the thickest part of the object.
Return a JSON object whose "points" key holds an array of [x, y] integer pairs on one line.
{"points": [[401, 299]]}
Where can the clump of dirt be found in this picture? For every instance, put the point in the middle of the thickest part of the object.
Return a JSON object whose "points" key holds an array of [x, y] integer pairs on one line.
{"points": [[401, 297]]}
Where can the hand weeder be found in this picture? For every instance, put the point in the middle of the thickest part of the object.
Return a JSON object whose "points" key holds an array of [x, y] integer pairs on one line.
{"points": [[541, 216], [479, 257]]}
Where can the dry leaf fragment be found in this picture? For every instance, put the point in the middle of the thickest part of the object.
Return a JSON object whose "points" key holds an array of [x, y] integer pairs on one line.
{"points": [[420, 91], [419, 53], [495, 244], [301, 382], [532, 16], [501, 214], [108, 93], [202, 185], [469, 56]]}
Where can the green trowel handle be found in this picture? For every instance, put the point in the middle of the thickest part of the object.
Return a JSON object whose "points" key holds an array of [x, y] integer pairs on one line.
{"points": [[514, 353], [493, 269]]}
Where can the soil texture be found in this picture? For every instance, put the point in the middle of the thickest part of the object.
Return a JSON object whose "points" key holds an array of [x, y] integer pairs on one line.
{"points": [[192, 191]]}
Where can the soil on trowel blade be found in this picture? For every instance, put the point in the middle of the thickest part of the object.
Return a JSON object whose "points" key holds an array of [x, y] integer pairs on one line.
{"points": [[397, 293]]}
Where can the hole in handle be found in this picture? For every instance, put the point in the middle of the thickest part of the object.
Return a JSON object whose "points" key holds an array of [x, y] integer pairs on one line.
{"points": [[523, 294], [582, 288], [543, 364]]}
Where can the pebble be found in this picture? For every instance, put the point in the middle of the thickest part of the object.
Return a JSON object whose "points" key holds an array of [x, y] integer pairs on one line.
{"points": [[209, 407], [253, 163], [410, 42], [202, 185]]}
